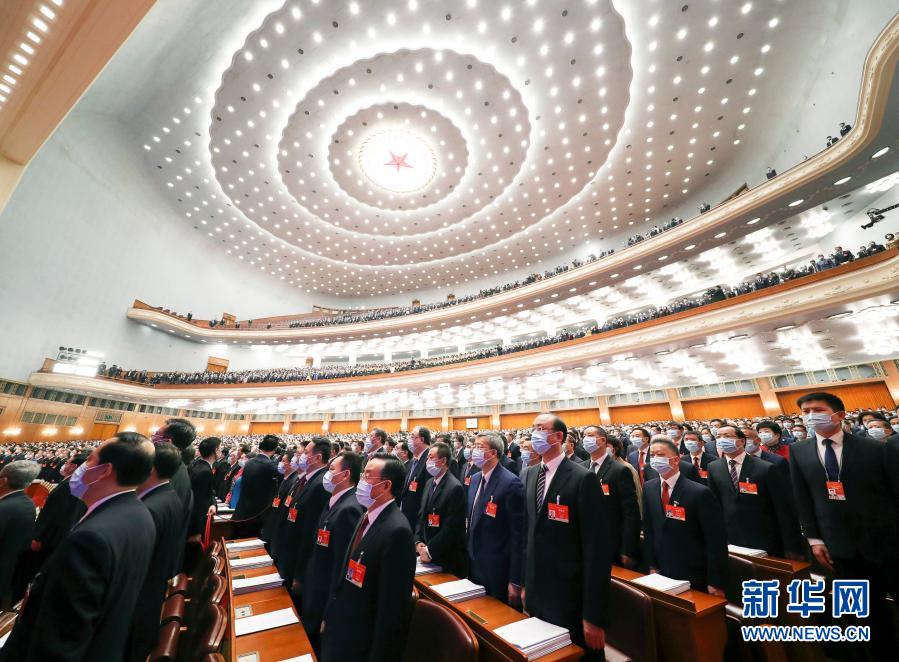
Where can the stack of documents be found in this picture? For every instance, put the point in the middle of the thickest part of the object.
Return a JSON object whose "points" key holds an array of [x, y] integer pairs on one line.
{"points": [[260, 622], [260, 583], [422, 568], [243, 545], [224, 509], [251, 562], [535, 638], [746, 551], [663, 584], [459, 590]]}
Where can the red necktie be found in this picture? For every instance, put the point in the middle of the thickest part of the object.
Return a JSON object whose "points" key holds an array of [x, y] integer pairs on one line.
{"points": [[641, 466], [358, 539], [665, 496], [696, 462]]}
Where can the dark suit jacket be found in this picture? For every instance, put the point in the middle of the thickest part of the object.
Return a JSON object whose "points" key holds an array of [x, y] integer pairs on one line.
{"points": [[324, 571], [168, 517], [220, 472], [225, 487], [757, 520], [295, 539], [687, 469], [181, 484], [446, 542], [467, 473], [16, 529], [624, 511], [494, 543], [704, 460], [695, 549], [57, 517], [567, 566], [257, 487], [202, 483], [416, 476], [865, 523], [81, 603], [371, 622], [273, 518]]}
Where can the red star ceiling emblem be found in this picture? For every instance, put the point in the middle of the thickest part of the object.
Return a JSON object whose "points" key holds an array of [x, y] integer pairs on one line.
{"points": [[398, 161]]}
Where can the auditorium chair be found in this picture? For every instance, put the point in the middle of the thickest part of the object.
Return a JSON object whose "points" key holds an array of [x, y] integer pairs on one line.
{"points": [[214, 657], [167, 645], [746, 651], [205, 635], [436, 634], [173, 609], [236, 529], [210, 592], [631, 634], [38, 493], [178, 584]]}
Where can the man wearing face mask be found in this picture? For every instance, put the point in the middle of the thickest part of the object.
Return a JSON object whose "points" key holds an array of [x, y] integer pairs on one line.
{"points": [[287, 467], [368, 610], [495, 515], [374, 443], [876, 426], [620, 495], [697, 455], [258, 482], [753, 496], [799, 432], [80, 605], [683, 526], [639, 459], [440, 530], [416, 474], [847, 499], [675, 432], [296, 533], [202, 485], [528, 457], [333, 534], [568, 555], [16, 519], [468, 468], [181, 433]]}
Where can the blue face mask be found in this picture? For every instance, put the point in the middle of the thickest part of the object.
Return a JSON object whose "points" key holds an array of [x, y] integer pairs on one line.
{"points": [[590, 445], [767, 438], [726, 445], [525, 458], [302, 463], [363, 493], [281, 468], [661, 465], [692, 446], [819, 420], [77, 486], [673, 433], [466, 453], [328, 482], [539, 442], [799, 434], [751, 446], [877, 433], [432, 468], [477, 457]]}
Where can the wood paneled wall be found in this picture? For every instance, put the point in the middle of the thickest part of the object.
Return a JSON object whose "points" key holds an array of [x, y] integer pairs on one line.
{"points": [[655, 411], [868, 395], [516, 421], [305, 427], [433, 424], [575, 418], [458, 422], [103, 430], [734, 406], [389, 425], [267, 427], [346, 427]]}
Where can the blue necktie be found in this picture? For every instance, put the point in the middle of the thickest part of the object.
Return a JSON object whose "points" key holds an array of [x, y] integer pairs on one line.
{"points": [[830, 461]]}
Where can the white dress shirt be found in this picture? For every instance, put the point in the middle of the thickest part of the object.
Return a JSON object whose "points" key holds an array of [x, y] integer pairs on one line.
{"points": [[551, 467], [336, 497], [837, 439], [671, 481], [738, 462]]}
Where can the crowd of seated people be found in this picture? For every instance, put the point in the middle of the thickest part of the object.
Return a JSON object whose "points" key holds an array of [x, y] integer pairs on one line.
{"points": [[753, 483], [339, 371]]}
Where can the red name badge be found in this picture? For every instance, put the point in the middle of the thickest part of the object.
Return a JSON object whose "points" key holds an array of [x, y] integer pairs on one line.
{"points": [[835, 491], [676, 512], [605, 489], [468, 480], [749, 488], [413, 486], [434, 520], [355, 573], [288, 499], [490, 508], [703, 473], [292, 515], [276, 502], [558, 512], [323, 538]]}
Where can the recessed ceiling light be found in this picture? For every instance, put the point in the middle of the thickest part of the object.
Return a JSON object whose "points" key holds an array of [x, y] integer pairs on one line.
{"points": [[689, 247], [836, 316], [842, 181], [880, 152], [753, 221], [786, 327], [720, 234], [742, 336], [796, 203]]}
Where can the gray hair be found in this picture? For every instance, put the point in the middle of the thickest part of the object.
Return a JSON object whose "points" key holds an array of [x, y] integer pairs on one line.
{"points": [[20, 473], [495, 441]]}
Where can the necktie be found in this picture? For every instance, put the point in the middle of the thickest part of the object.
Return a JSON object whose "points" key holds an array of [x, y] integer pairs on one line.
{"points": [[665, 495], [696, 462], [541, 485], [733, 474], [831, 466], [301, 483], [477, 496], [594, 466], [642, 461], [358, 539]]}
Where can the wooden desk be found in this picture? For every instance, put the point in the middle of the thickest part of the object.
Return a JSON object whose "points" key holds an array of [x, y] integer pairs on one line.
{"points": [[483, 615], [693, 619], [269, 645]]}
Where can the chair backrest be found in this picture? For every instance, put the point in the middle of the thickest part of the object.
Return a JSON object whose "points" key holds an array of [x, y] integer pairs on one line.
{"points": [[37, 492], [210, 631], [173, 609], [739, 569], [631, 628], [436, 634], [167, 645]]}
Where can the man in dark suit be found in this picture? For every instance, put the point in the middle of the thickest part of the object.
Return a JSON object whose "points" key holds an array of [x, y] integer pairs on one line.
{"points": [[60, 512], [220, 471], [16, 519], [80, 605], [230, 472], [287, 467], [639, 458], [416, 474], [496, 522], [202, 484], [566, 519], [333, 535], [367, 615], [467, 469], [847, 499], [374, 443], [619, 494], [258, 482], [697, 455], [296, 533], [181, 433], [160, 498], [683, 526], [753, 495], [440, 530]]}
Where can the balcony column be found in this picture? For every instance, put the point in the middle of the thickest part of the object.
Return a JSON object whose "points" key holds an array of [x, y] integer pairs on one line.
{"points": [[677, 408], [286, 427], [769, 397], [326, 423], [404, 420], [494, 416], [388, 357], [605, 416], [352, 358], [444, 420], [892, 379], [366, 418]]}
